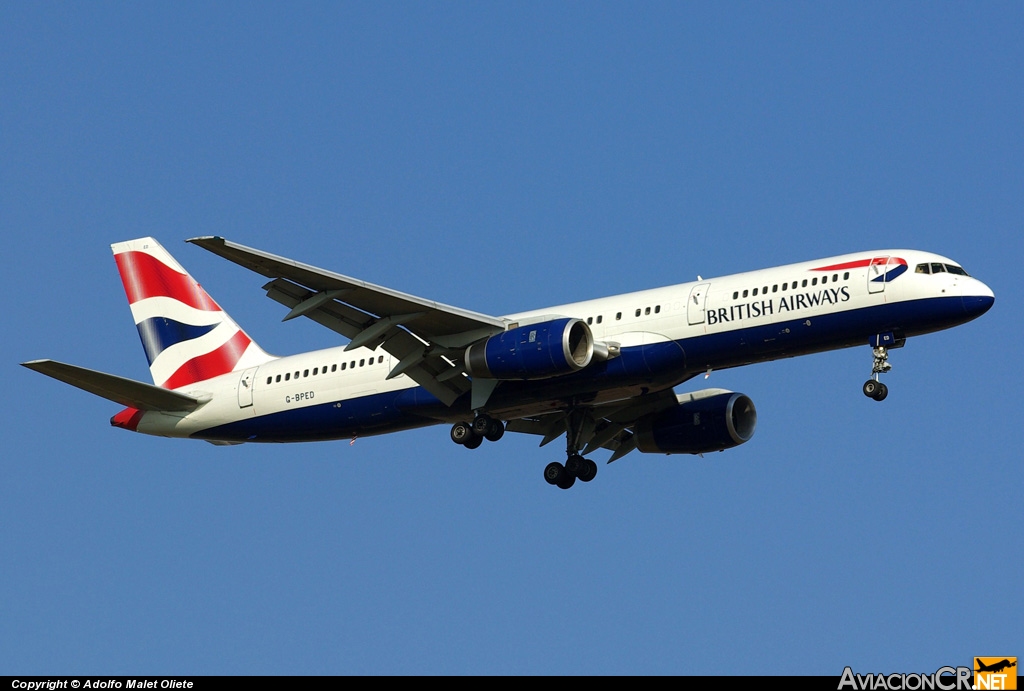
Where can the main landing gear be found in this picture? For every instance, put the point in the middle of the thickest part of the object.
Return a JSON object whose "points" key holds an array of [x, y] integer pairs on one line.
{"points": [[565, 476], [472, 434], [576, 466], [873, 388]]}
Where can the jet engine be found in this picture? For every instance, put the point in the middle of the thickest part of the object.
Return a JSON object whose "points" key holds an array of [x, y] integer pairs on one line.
{"points": [[536, 351], [711, 420]]}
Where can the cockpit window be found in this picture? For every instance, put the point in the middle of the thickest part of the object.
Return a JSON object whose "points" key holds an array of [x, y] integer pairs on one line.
{"points": [[936, 268]]}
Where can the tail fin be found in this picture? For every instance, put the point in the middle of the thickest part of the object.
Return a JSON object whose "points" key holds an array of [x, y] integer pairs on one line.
{"points": [[186, 335]]}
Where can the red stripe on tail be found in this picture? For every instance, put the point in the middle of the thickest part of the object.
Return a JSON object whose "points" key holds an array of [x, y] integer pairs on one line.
{"points": [[145, 276], [212, 364]]}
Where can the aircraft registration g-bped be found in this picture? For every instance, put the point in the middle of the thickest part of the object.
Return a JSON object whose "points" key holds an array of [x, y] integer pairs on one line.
{"points": [[600, 372]]}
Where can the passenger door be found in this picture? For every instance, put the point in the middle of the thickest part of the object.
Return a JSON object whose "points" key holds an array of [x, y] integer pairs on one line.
{"points": [[876, 274], [245, 385], [695, 304]]}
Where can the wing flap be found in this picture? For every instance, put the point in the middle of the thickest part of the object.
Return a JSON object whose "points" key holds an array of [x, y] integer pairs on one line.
{"points": [[421, 362], [604, 426], [425, 337], [127, 392]]}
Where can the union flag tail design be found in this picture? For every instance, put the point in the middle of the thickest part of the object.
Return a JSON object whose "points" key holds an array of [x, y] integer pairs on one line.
{"points": [[187, 337]]}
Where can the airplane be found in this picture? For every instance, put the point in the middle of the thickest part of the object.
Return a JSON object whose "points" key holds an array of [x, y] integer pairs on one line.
{"points": [[601, 372], [994, 667]]}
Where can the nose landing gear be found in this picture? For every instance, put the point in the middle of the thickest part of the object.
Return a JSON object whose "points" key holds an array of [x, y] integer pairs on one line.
{"points": [[875, 389], [880, 345]]}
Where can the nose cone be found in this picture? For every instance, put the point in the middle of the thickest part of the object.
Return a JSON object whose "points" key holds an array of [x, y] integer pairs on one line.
{"points": [[978, 298]]}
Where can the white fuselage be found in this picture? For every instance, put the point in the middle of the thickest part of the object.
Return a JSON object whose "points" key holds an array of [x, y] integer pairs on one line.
{"points": [[719, 322]]}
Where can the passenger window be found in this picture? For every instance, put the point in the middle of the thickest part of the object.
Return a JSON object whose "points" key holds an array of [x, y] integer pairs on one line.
{"points": [[755, 292], [278, 378], [288, 376], [599, 319], [814, 281], [618, 316], [804, 284], [647, 311], [846, 276], [638, 311], [380, 358], [745, 293], [361, 362], [784, 286], [735, 294], [334, 367], [305, 373], [657, 309], [296, 375], [835, 277], [343, 367], [775, 288], [314, 371], [590, 320], [764, 291], [270, 380]]}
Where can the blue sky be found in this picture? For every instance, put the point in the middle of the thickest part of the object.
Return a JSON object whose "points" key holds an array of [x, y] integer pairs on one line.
{"points": [[500, 157]]}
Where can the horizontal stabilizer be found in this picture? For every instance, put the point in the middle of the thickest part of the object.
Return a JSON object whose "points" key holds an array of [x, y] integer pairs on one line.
{"points": [[127, 392]]}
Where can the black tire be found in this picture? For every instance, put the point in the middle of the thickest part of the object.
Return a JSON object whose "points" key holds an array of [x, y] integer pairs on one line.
{"points": [[881, 393], [567, 481], [461, 433], [495, 431], [481, 424], [590, 472], [553, 473], [474, 442], [575, 465], [870, 388]]}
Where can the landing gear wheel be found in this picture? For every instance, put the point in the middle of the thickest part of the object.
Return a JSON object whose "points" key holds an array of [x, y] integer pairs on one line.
{"points": [[567, 481], [575, 465], [481, 424], [589, 471], [882, 392], [553, 472], [474, 442], [495, 431], [876, 390], [461, 432]]}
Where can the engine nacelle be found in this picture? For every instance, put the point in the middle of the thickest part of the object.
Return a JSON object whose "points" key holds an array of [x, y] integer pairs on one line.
{"points": [[536, 351], [714, 421]]}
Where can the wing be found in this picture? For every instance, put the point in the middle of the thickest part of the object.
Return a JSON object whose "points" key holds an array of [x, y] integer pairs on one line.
{"points": [[427, 338], [608, 425]]}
